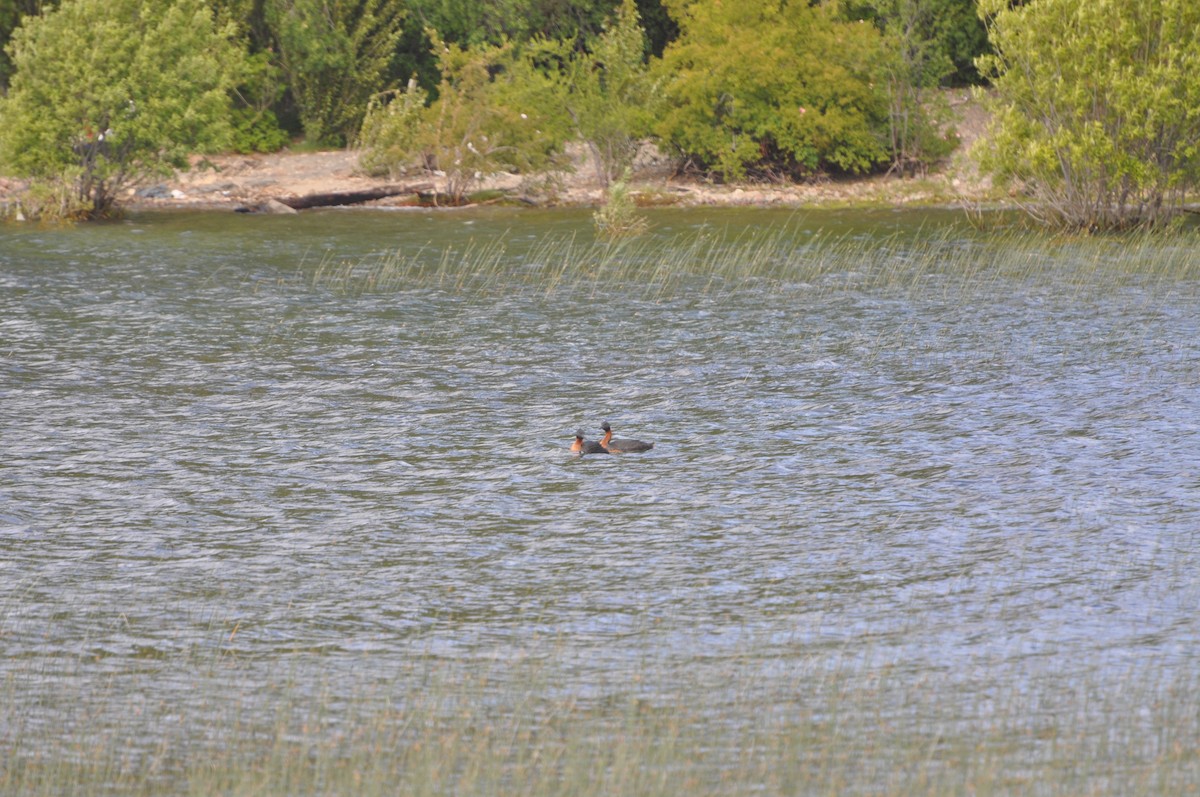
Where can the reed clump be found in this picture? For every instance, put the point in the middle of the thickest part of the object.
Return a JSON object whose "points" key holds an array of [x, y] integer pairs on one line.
{"points": [[619, 216], [941, 262]]}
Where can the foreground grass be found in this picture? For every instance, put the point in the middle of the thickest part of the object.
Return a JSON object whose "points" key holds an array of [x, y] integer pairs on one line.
{"points": [[809, 725]]}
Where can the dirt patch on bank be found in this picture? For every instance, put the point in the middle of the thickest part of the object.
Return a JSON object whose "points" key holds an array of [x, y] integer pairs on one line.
{"points": [[250, 181]]}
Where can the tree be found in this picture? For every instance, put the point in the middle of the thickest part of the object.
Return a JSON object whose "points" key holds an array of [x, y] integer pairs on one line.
{"points": [[258, 96], [470, 22], [255, 126], [771, 87], [11, 14], [913, 62], [336, 54], [512, 107], [107, 93], [961, 36], [392, 132], [490, 115], [951, 31], [609, 94], [1101, 121]]}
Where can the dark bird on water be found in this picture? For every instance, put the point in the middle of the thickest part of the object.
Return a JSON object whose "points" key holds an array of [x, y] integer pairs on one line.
{"points": [[581, 446], [617, 445]]}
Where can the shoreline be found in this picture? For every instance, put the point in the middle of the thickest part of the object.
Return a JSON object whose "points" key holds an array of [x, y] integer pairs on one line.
{"points": [[241, 182], [230, 182], [227, 181], [264, 183]]}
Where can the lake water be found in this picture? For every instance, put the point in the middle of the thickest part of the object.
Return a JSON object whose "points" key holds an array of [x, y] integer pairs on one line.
{"points": [[987, 484]]}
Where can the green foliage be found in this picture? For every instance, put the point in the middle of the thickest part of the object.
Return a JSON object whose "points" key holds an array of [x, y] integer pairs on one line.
{"points": [[11, 14], [950, 31], [504, 107], [391, 135], [470, 22], [110, 92], [256, 131], [1101, 121], [659, 28], [962, 37], [609, 94], [912, 63], [490, 115], [335, 54], [251, 18], [255, 126], [47, 201], [767, 87]]}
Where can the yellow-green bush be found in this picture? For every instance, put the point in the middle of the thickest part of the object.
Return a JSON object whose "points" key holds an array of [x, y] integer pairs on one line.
{"points": [[781, 88], [489, 116], [109, 92], [1100, 121]]}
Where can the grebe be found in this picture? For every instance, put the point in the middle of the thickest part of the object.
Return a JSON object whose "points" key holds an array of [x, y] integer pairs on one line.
{"points": [[621, 446], [581, 446]]}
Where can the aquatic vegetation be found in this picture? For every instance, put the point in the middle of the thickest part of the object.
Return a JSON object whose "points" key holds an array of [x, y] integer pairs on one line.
{"points": [[781, 724], [619, 216], [712, 261]]}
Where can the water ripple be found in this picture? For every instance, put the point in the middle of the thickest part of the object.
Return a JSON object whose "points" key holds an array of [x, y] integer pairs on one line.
{"points": [[938, 477]]}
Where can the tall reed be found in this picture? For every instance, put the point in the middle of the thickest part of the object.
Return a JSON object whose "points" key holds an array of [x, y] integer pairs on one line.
{"points": [[807, 724], [945, 261]]}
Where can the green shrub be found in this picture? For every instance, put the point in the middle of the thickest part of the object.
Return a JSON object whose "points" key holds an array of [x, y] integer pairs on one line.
{"points": [[912, 64], [107, 93], [609, 94], [48, 201], [391, 132], [255, 126], [1101, 121], [490, 115], [335, 54], [773, 88], [948, 32], [256, 131]]}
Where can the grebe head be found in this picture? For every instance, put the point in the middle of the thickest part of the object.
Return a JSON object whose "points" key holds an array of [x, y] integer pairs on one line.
{"points": [[581, 446]]}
